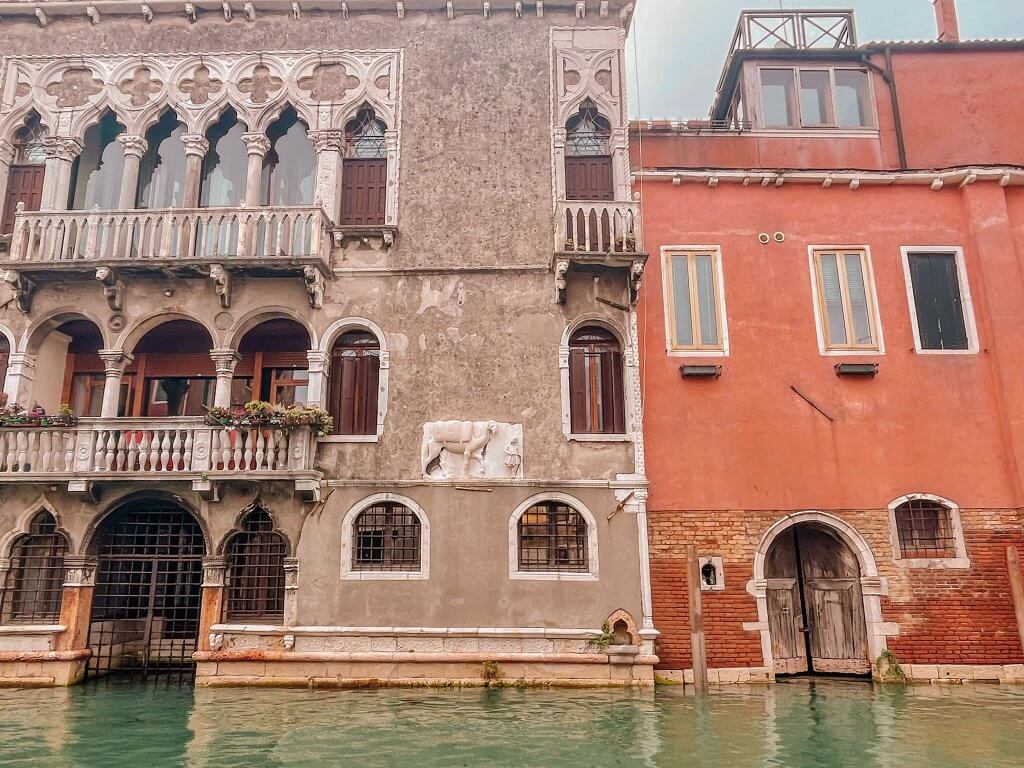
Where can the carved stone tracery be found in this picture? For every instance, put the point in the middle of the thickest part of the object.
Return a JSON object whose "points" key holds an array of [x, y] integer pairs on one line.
{"points": [[200, 86], [329, 82], [75, 87], [260, 85], [141, 87]]}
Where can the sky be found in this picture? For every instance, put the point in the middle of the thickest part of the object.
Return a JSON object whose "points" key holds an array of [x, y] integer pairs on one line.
{"points": [[678, 47]]}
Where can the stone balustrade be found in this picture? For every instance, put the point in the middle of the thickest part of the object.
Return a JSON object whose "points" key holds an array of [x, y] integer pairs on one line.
{"points": [[599, 226]]}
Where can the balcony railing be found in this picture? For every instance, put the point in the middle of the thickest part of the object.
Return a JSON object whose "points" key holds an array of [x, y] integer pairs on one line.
{"points": [[166, 448], [599, 227], [799, 30], [175, 236]]}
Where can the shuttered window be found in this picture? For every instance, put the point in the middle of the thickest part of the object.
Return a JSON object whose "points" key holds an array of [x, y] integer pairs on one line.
{"points": [[24, 185], [595, 383], [353, 381], [363, 192], [938, 301], [694, 294], [846, 304]]}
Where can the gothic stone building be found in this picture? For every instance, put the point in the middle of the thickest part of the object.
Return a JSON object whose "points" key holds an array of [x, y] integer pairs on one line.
{"points": [[416, 215]]}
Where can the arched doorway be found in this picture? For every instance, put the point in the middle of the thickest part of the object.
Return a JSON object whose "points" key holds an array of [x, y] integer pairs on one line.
{"points": [[146, 605], [815, 603]]}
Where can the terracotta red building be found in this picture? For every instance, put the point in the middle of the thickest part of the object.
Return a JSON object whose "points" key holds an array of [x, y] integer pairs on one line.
{"points": [[832, 324]]}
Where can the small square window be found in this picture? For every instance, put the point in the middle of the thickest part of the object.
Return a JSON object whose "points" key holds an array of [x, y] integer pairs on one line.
{"points": [[694, 292], [845, 294], [925, 530], [778, 95]]}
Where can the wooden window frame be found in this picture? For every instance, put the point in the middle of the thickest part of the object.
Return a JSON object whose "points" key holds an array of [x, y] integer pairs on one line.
{"points": [[960, 559], [721, 349], [966, 303], [833, 105], [825, 345], [601, 408]]}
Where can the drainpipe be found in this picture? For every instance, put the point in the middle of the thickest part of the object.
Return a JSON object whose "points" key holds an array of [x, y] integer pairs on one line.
{"points": [[890, 81]]}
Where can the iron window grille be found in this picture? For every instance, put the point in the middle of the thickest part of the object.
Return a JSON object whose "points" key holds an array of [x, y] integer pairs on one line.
{"points": [[35, 581], [386, 537], [254, 568], [553, 538], [365, 136], [588, 133], [925, 529]]}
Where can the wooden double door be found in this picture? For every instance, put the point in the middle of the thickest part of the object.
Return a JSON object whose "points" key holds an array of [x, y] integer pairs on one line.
{"points": [[815, 603]]}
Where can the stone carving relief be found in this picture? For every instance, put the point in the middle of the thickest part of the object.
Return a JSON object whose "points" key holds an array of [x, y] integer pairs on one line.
{"points": [[329, 82], [140, 87], [471, 449], [74, 88], [593, 74], [260, 85], [200, 86]]}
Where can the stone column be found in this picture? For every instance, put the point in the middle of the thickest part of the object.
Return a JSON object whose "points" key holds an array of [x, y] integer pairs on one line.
{"points": [[5, 568], [76, 602], [213, 601], [330, 149], [134, 148], [318, 374], [114, 364], [256, 147], [6, 158], [61, 152], [196, 147], [224, 361], [21, 373], [620, 163], [291, 590]]}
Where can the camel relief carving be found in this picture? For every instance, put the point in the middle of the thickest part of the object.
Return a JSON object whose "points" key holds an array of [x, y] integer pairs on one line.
{"points": [[470, 449]]}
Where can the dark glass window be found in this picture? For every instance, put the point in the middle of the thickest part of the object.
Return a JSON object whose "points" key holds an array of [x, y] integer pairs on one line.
{"points": [[925, 529], [588, 132], [595, 382], [938, 301], [386, 537], [553, 538], [254, 566], [35, 581]]}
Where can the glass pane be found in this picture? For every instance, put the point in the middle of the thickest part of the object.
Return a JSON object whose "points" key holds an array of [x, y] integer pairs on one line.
{"points": [[241, 391], [706, 303], [857, 287], [162, 170], [289, 169], [179, 397], [853, 99], [224, 167], [681, 298], [815, 108], [96, 180], [777, 94], [833, 298]]}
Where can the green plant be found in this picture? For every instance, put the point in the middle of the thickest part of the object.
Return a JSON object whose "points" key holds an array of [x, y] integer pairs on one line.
{"points": [[490, 672], [889, 668], [604, 639], [258, 414]]}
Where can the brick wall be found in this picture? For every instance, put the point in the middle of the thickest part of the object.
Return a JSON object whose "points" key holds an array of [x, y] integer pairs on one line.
{"points": [[945, 616]]}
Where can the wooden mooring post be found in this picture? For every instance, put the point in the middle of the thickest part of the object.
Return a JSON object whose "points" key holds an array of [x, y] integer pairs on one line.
{"points": [[1016, 589], [698, 650]]}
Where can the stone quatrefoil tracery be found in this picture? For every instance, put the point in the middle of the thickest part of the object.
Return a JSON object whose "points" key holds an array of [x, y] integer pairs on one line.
{"points": [[329, 82], [261, 86], [200, 86], [140, 87], [75, 87]]}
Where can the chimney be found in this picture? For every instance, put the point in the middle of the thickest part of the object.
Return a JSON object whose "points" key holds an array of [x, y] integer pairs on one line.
{"points": [[945, 20]]}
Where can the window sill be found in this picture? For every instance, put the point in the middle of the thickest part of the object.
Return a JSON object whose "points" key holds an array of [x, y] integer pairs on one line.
{"points": [[852, 353], [384, 576], [586, 438], [32, 629], [960, 352], [349, 439], [551, 576], [934, 563], [696, 353]]}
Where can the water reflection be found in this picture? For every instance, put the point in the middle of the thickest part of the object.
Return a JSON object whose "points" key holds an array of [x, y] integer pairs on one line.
{"points": [[803, 724]]}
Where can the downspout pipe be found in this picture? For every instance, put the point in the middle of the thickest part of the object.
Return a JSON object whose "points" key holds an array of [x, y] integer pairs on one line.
{"points": [[890, 80]]}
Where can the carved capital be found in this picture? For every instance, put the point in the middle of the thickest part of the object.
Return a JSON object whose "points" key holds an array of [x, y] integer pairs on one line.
{"points": [[256, 144], [224, 361], [291, 573], [79, 571], [115, 361], [65, 148], [318, 360], [134, 145], [327, 141], [195, 144], [213, 571]]}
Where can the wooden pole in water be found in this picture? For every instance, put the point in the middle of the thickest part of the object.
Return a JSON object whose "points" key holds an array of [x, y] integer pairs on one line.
{"points": [[698, 651], [1016, 589]]}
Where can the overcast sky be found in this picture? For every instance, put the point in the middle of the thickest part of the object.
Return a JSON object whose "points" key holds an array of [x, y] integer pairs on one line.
{"points": [[678, 47]]}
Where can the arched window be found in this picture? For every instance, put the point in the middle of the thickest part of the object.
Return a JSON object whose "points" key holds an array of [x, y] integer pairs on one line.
{"points": [[353, 382], [553, 538], [289, 168], [364, 176], [925, 529], [162, 169], [386, 537], [224, 167], [588, 156], [96, 173], [254, 569], [595, 382], [25, 177], [35, 581]]}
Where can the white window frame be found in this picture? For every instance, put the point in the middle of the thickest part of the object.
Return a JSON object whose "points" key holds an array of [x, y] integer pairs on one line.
{"points": [[671, 348], [960, 561], [323, 351], [799, 126], [515, 574], [348, 573], [820, 322], [965, 298]]}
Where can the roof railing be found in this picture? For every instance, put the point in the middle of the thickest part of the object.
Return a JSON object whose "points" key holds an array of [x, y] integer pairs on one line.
{"points": [[800, 30]]}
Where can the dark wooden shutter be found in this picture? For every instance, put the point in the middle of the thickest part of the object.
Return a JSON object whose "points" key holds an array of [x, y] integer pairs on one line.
{"points": [[578, 391], [589, 177], [364, 192], [353, 392], [940, 312], [24, 184], [612, 403]]}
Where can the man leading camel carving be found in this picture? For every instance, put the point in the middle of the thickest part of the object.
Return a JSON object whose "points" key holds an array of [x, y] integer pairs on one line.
{"points": [[465, 438]]}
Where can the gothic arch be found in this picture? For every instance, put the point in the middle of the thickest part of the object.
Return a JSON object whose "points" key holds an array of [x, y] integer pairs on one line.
{"points": [[24, 521]]}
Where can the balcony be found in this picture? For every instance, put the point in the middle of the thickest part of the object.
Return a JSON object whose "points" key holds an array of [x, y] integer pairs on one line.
{"points": [[156, 449], [261, 242], [595, 236]]}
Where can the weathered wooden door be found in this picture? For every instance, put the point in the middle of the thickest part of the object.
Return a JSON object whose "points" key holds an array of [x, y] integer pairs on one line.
{"points": [[589, 177], [24, 185], [815, 604], [364, 186]]}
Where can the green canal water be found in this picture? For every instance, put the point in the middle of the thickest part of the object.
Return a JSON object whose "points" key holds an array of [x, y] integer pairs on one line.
{"points": [[797, 724]]}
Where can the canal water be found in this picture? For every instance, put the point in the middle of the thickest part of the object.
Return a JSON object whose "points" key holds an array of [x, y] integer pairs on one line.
{"points": [[796, 724]]}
